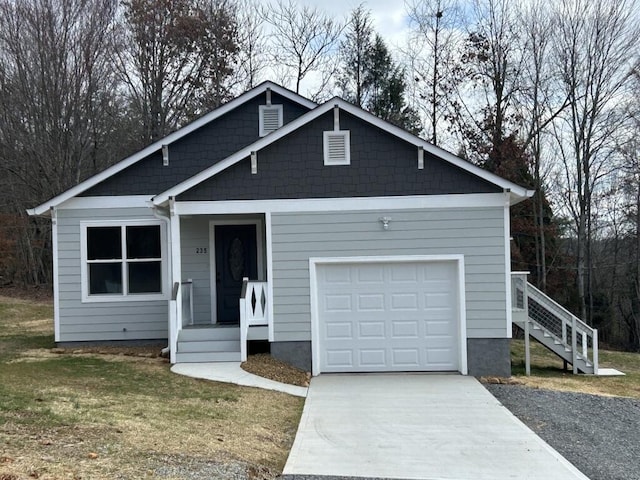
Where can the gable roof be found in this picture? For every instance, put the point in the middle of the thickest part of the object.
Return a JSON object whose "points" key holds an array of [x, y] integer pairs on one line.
{"points": [[44, 208], [518, 193]]}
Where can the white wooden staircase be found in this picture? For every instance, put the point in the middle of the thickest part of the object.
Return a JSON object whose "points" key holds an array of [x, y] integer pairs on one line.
{"points": [[204, 343], [542, 318]]}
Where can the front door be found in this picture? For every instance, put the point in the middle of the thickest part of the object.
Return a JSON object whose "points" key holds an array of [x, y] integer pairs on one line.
{"points": [[236, 257]]}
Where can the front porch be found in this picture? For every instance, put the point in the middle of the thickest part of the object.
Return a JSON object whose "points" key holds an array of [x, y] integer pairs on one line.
{"points": [[220, 294]]}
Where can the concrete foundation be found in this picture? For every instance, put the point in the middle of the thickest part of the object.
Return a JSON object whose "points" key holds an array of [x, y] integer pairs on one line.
{"points": [[489, 356], [297, 354]]}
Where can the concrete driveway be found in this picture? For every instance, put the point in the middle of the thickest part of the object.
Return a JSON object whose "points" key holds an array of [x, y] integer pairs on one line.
{"points": [[416, 427]]}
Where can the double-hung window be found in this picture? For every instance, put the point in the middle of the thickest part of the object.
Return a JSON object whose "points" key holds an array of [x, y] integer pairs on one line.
{"points": [[123, 260]]}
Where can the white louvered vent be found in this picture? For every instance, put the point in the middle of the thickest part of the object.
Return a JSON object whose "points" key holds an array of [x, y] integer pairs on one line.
{"points": [[270, 118], [337, 150]]}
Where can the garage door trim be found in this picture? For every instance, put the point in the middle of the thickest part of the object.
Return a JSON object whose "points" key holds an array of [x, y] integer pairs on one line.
{"points": [[458, 260]]}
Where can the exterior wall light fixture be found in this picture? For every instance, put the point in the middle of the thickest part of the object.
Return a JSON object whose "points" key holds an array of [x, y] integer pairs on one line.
{"points": [[385, 222]]}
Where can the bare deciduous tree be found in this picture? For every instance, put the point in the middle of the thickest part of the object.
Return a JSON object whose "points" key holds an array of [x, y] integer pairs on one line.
{"points": [[595, 43], [59, 109], [174, 57], [252, 43], [432, 49], [303, 39]]}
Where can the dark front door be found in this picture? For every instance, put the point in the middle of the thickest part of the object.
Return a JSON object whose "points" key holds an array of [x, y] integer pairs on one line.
{"points": [[236, 257]]}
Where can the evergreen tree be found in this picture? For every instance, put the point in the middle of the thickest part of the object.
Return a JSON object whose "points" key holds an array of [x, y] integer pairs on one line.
{"points": [[385, 82], [355, 54]]}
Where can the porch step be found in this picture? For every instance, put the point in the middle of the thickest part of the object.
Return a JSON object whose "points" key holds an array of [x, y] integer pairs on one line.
{"points": [[209, 333], [203, 357], [208, 343], [209, 346]]}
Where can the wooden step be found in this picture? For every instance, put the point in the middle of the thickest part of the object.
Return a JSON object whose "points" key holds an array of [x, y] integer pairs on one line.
{"points": [[209, 332], [209, 346]]}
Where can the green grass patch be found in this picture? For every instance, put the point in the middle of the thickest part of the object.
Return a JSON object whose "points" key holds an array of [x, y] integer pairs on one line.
{"points": [[547, 371]]}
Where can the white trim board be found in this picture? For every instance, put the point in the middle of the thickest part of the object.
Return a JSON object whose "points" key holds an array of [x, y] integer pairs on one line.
{"points": [[124, 297], [121, 201], [56, 277], [519, 193], [178, 134], [474, 200], [507, 266], [269, 261], [315, 315]]}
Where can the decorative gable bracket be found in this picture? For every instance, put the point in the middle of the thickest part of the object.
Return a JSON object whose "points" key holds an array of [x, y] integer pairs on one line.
{"points": [[337, 143], [269, 116]]}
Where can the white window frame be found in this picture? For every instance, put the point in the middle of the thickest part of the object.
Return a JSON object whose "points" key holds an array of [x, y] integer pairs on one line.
{"points": [[124, 296], [346, 138], [261, 109]]}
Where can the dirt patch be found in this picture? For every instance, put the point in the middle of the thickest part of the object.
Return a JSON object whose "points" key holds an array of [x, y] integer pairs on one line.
{"points": [[147, 351], [42, 294], [264, 365]]}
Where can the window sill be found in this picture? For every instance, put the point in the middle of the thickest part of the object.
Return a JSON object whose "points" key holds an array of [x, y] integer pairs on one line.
{"points": [[116, 298]]}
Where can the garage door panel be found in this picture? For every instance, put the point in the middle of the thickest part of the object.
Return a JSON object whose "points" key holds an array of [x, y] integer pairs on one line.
{"points": [[438, 299], [369, 274], [372, 358], [337, 303], [371, 302], [440, 357], [400, 316], [339, 359], [436, 328], [371, 330], [338, 275], [404, 329], [338, 331], [404, 301]]}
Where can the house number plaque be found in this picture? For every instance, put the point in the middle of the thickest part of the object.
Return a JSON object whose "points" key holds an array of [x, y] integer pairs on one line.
{"points": [[200, 250]]}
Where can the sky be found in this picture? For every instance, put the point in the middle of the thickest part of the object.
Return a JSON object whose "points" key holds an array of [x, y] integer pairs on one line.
{"points": [[389, 20], [388, 15]]}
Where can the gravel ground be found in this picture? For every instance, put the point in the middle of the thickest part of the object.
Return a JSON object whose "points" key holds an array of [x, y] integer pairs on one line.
{"points": [[599, 435]]}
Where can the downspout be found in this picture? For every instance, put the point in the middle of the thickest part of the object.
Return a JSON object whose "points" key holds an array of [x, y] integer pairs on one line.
{"points": [[163, 214]]}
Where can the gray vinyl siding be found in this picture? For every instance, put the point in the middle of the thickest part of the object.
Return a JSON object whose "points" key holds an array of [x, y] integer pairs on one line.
{"points": [[476, 233], [100, 321], [194, 234]]}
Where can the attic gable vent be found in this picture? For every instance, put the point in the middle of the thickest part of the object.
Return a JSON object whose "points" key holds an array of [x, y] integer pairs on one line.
{"points": [[270, 118], [337, 149]]}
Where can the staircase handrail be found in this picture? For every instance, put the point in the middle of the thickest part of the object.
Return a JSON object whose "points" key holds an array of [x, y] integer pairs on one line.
{"points": [[565, 318], [539, 294]]}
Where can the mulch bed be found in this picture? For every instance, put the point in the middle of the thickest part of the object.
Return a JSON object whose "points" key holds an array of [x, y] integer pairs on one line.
{"points": [[264, 365]]}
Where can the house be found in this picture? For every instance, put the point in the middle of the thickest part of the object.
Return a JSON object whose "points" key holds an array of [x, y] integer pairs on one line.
{"points": [[347, 243]]}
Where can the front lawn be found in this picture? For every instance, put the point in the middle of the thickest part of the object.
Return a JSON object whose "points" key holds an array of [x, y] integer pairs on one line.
{"points": [[79, 415]]}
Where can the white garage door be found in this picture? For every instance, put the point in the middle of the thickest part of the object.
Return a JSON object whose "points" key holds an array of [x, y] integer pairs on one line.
{"points": [[375, 317]]}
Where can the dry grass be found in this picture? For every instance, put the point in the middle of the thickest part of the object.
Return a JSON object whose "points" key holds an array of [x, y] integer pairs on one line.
{"points": [[547, 372], [90, 415]]}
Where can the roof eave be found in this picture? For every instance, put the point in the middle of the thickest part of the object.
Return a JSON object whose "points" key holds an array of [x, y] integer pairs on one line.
{"points": [[90, 182], [519, 193]]}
